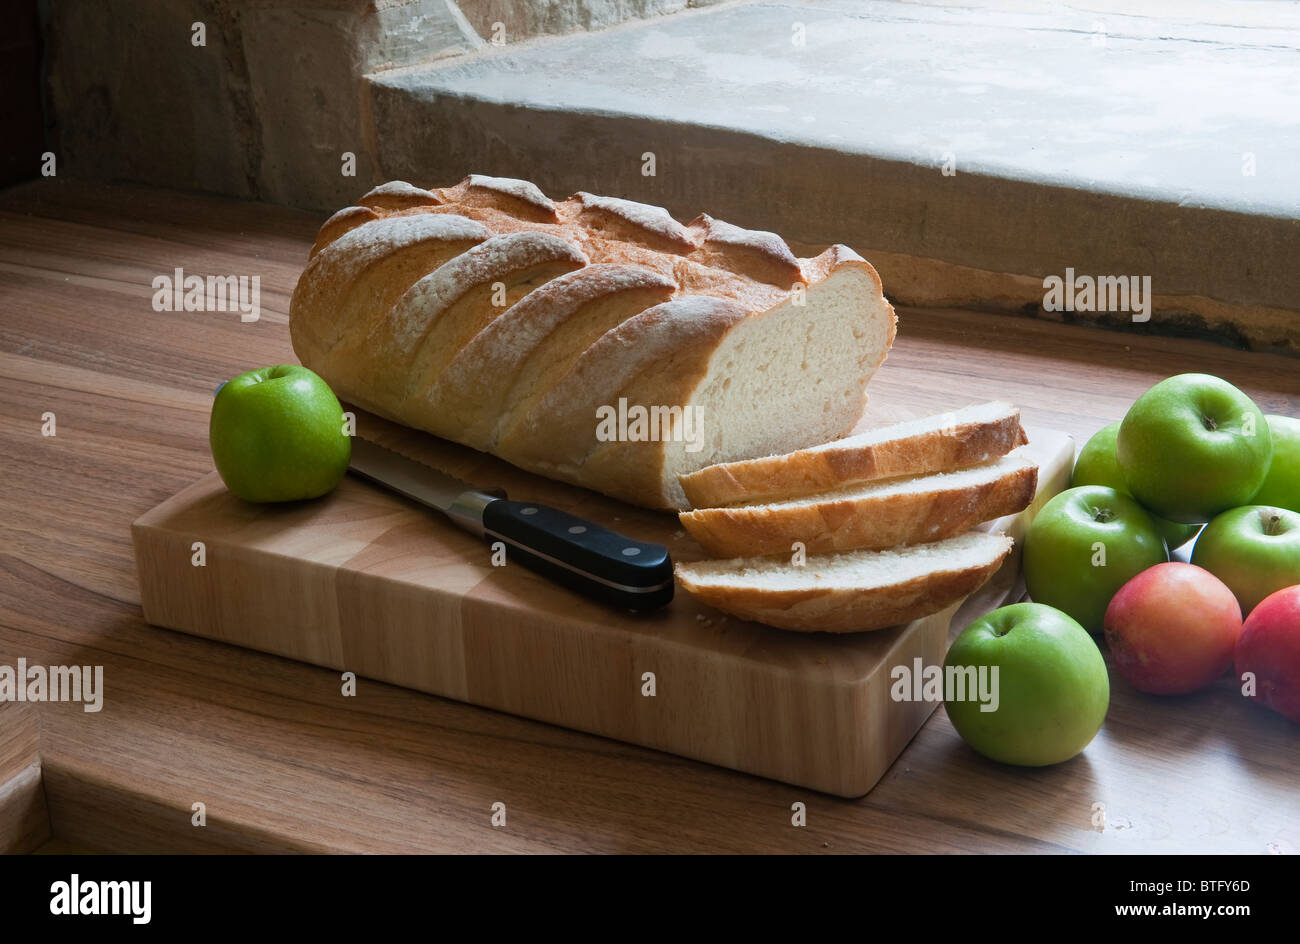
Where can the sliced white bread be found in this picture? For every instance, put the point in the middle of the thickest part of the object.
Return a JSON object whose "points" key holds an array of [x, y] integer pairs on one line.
{"points": [[855, 591], [939, 443], [872, 516]]}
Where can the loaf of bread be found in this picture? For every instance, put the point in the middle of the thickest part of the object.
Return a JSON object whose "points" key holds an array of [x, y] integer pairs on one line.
{"points": [[593, 340]]}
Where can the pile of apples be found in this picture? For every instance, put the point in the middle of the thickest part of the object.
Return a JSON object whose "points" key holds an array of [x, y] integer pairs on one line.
{"points": [[1192, 451]]}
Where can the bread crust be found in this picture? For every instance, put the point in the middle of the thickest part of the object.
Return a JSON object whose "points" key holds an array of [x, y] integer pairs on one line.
{"points": [[669, 343], [502, 365], [353, 281], [758, 254], [398, 195], [812, 471], [845, 609], [345, 220], [522, 196], [842, 523]]}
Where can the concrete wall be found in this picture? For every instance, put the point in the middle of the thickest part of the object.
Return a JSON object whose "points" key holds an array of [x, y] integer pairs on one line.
{"points": [[270, 104]]}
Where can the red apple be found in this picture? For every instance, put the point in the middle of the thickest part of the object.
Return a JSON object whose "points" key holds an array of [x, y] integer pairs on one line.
{"points": [[1172, 629], [1269, 647]]}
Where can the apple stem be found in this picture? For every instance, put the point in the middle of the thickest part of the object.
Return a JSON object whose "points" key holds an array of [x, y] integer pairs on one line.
{"points": [[1272, 521]]}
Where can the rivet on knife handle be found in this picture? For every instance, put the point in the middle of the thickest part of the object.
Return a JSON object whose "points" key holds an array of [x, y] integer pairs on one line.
{"points": [[581, 555]]}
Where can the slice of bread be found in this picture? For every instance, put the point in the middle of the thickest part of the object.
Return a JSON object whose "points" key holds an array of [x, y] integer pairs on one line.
{"points": [[939, 443], [873, 516], [851, 592]]}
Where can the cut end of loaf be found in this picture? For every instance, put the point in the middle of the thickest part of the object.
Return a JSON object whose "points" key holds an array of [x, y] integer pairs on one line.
{"points": [[789, 377]]}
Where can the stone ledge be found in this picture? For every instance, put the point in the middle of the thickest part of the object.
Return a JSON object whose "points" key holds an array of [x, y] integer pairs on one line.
{"points": [[1067, 155], [1094, 139]]}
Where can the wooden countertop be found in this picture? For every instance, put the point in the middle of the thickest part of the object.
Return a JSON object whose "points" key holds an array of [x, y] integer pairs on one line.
{"points": [[282, 762]]}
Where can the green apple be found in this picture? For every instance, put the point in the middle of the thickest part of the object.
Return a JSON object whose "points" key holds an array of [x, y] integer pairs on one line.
{"points": [[1051, 687], [1254, 550], [1282, 484], [1096, 465], [1084, 545], [277, 434], [1193, 446]]}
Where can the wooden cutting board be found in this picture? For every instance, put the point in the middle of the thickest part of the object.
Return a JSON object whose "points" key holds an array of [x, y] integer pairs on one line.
{"points": [[363, 581]]}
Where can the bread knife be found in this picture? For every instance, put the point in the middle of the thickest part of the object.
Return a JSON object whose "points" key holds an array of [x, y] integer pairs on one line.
{"points": [[571, 551]]}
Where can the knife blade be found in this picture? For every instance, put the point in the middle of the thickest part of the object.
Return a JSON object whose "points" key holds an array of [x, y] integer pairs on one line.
{"points": [[571, 551]]}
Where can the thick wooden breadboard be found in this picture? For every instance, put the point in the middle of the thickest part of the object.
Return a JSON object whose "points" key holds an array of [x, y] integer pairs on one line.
{"points": [[366, 582]]}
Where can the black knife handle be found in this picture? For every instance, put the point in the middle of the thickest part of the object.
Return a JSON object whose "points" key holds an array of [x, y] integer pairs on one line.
{"points": [[582, 556]]}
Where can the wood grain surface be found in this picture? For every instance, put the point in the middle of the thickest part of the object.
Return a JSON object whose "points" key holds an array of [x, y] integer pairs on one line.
{"points": [[282, 762], [363, 581], [24, 820]]}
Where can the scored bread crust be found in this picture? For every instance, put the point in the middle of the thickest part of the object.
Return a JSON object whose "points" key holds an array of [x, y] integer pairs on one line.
{"points": [[812, 471], [398, 195], [668, 343], [369, 256], [814, 608], [844, 522], [423, 331], [354, 280], [344, 221], [533, 342]]}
